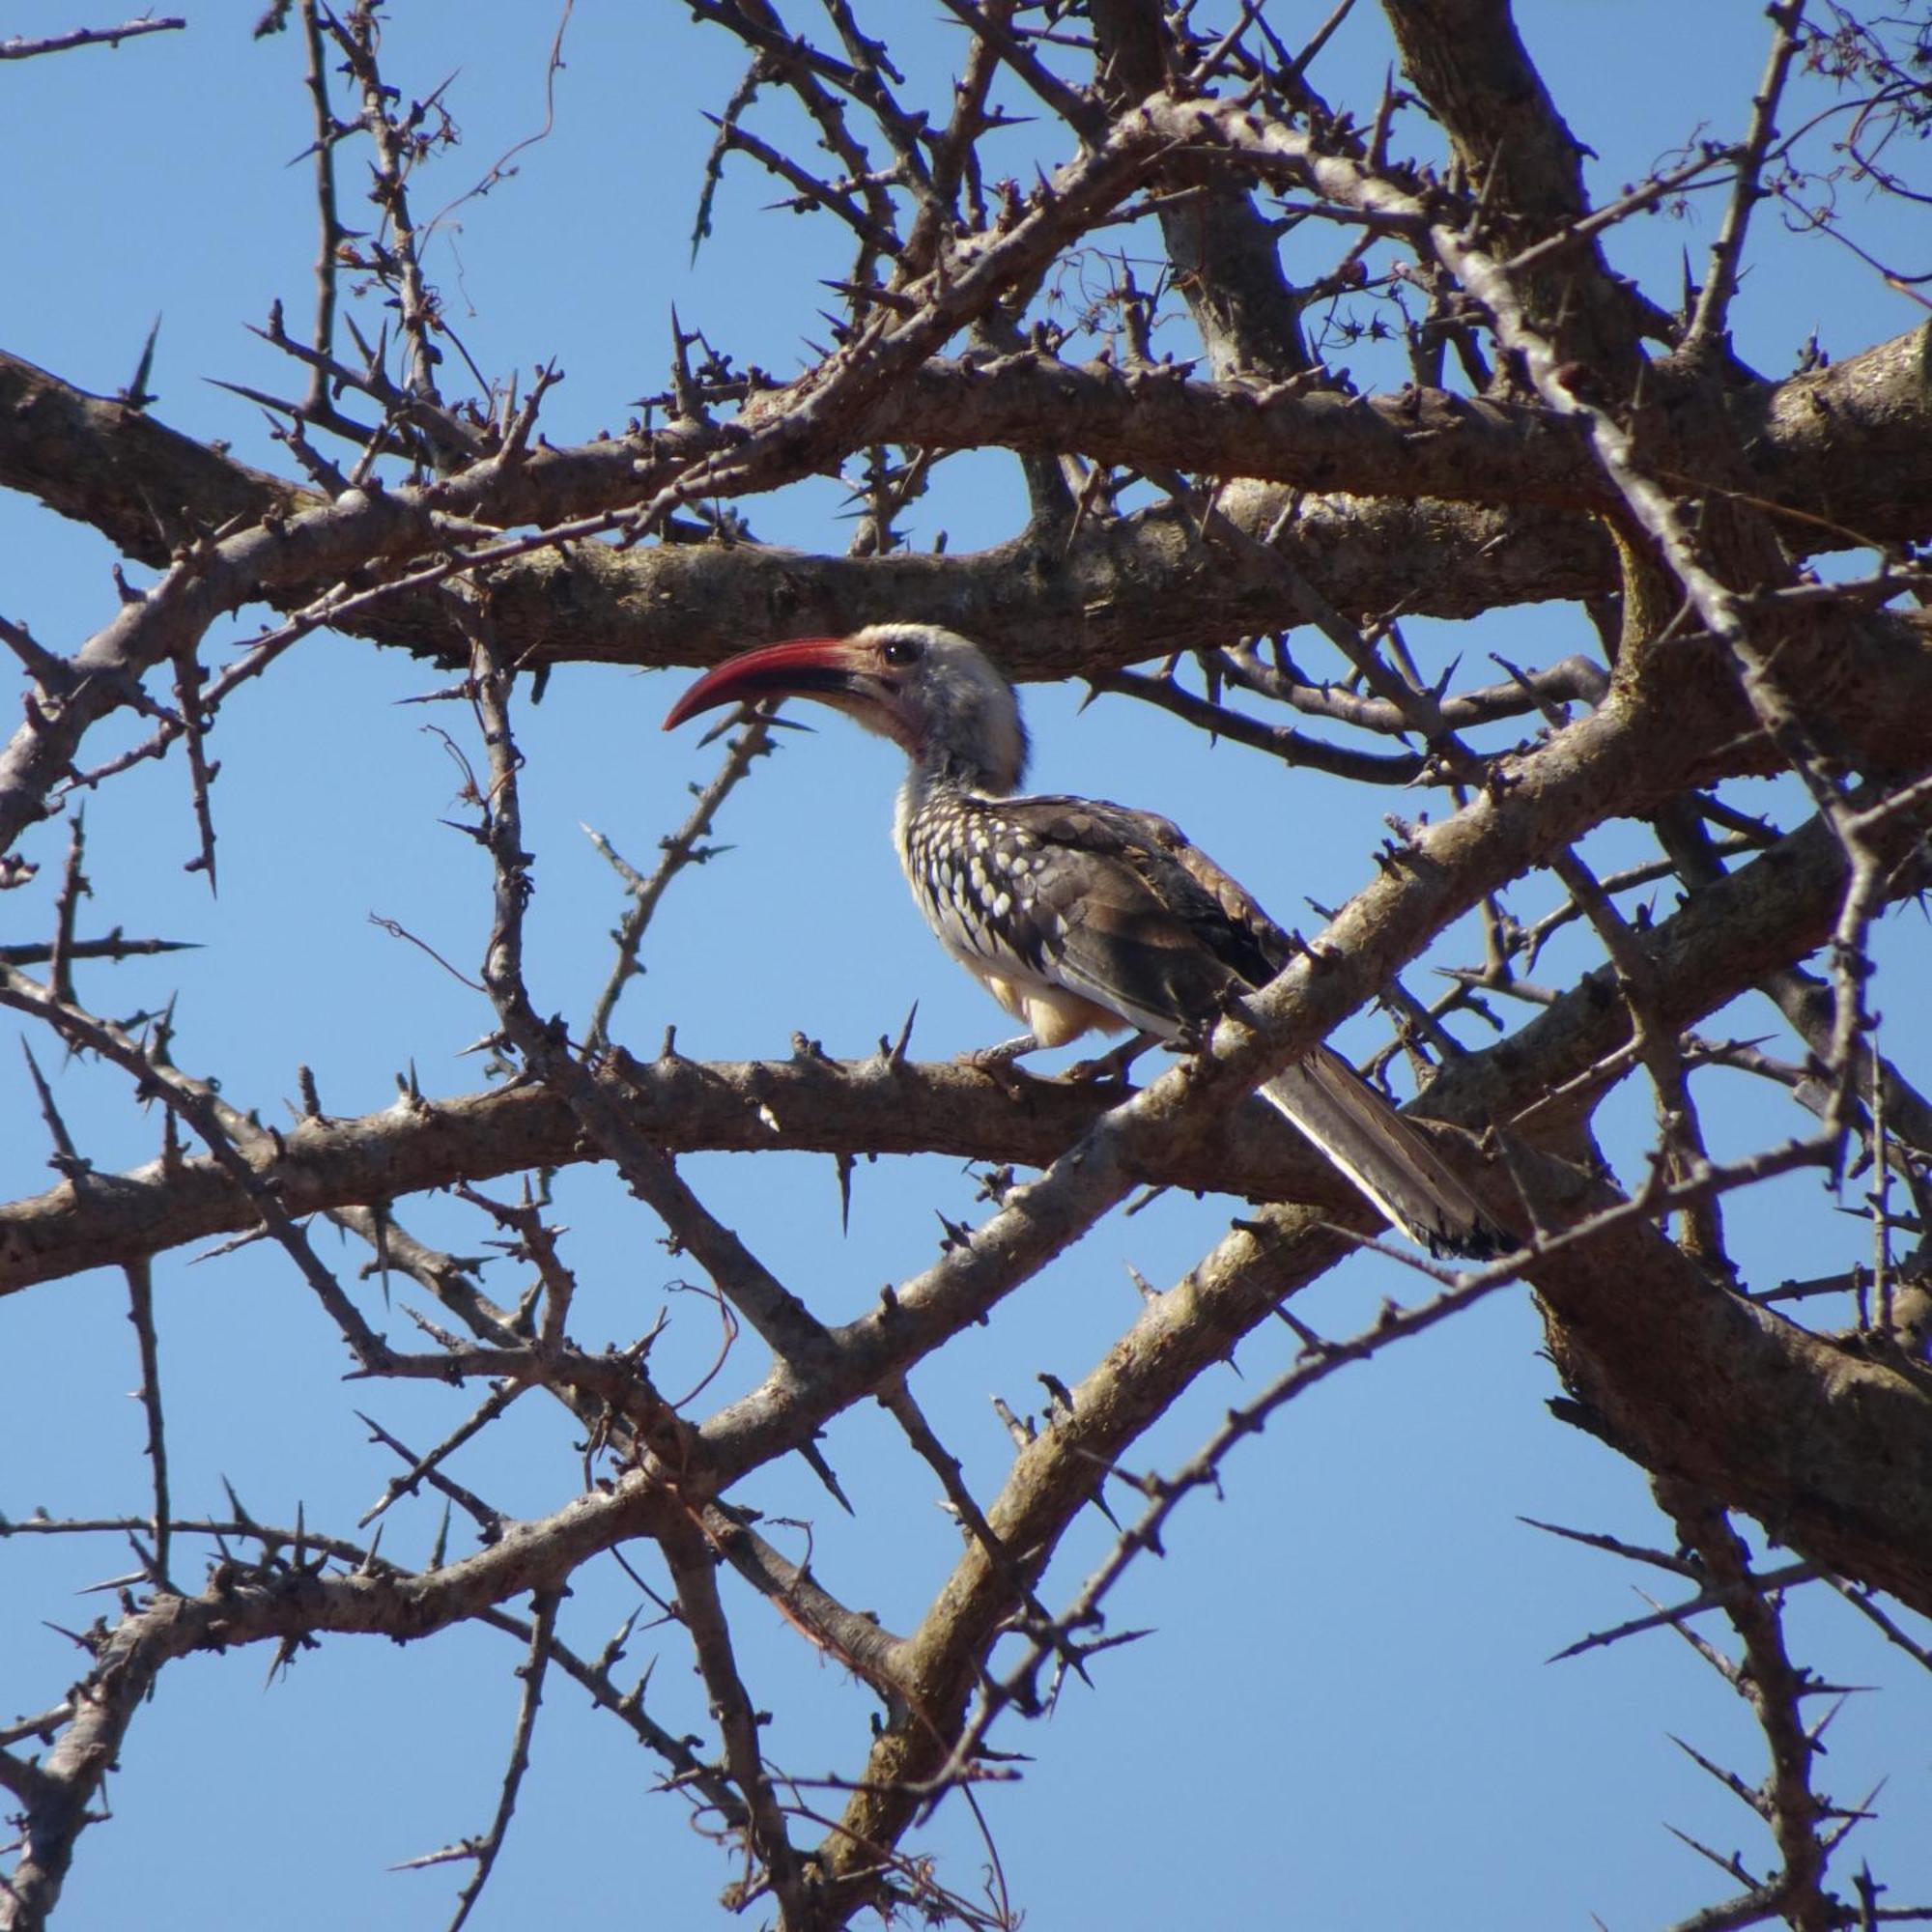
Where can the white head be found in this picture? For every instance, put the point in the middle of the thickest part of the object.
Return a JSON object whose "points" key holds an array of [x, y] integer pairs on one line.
{"points": [[933, 693]]}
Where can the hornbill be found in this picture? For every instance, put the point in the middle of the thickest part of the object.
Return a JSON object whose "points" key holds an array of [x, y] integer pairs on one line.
{"points": [[1075, 914]]}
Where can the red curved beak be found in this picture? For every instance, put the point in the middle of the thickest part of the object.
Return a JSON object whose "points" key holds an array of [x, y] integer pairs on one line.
{"points": [[806, 667]]}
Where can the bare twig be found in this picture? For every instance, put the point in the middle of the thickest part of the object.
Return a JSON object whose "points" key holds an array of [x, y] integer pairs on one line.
{"points": [[141, 1313], [19, 48]]}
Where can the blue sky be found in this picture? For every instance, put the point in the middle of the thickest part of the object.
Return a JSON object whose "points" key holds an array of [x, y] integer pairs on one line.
{"points": [[1343, 1716]]}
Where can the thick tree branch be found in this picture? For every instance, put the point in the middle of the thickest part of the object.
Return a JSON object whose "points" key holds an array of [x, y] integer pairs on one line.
{"points": [[1732, 934], [1847, 444], [1525, 164]]}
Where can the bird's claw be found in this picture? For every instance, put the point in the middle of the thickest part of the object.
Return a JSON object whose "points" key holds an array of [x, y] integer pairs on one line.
{"points": [[995, 1062], [1113, 1066]]}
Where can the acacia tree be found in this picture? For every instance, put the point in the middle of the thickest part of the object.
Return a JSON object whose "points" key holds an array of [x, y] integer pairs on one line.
{"points": [[1244, 536]]}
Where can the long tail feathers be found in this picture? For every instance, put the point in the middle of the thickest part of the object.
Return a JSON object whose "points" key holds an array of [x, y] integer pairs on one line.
{"points": [[1383, 1156]]}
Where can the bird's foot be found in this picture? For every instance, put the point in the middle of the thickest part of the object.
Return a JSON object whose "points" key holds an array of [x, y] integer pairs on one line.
{"points": [[996, 1062], [1112, 1065]]}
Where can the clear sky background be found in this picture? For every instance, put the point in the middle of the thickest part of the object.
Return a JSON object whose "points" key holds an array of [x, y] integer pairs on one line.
{"points": [[1343, 1716]]}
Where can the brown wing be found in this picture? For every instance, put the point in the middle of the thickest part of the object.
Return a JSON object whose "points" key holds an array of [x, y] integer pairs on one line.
{"points": [[1267, 942], [1131, 916]]}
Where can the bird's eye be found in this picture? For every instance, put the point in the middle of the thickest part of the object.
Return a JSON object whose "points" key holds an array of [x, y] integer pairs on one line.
{"points": [[902, 650]]}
